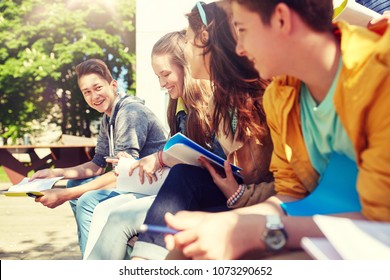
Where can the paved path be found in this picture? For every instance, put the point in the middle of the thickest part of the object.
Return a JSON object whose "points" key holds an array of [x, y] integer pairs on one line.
{"points": [[30, 231]]}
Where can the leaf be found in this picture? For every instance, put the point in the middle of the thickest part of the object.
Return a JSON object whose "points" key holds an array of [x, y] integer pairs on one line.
{"points": [[41, 42]]}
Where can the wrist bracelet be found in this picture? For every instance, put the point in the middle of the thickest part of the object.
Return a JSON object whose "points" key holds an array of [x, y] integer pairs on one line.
{"points": [[229, 201], [160, 160], [236, 196]]}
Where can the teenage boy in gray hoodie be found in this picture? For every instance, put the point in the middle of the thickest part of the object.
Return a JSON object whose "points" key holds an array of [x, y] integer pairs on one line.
{"points": [[127, 126]]}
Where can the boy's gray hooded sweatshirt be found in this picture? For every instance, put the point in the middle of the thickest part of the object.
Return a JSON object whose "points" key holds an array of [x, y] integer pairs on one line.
{"points": [[134, 129]]}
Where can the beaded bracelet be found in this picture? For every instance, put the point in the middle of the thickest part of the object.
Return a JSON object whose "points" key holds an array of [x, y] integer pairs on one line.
{"points": [[160, 160], [229, 201], [236, 196]]}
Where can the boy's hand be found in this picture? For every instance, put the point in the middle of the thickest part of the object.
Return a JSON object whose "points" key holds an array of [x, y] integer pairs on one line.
{"points": [[379, 24], [52, 198]]}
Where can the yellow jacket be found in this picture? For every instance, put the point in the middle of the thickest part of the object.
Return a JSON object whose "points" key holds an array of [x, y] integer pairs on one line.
{"points": [[362, 101]]}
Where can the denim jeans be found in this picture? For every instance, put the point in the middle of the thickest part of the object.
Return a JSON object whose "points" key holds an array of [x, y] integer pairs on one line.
{"points": [[74, 183], [83, 208], [114, 221], [187, 187]]}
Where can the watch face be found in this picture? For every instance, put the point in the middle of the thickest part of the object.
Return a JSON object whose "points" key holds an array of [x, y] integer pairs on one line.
{"points": [[275, 239]]}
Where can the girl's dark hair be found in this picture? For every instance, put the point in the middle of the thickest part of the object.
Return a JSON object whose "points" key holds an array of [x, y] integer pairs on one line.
{"points": [[94, 66], [196, 93], [237, 86]]}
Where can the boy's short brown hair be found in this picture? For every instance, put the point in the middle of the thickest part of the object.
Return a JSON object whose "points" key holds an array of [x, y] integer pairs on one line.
{"points": [[317, 14], [94, 66]]}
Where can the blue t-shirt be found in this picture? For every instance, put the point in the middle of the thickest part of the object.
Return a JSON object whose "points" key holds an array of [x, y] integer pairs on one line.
{"points": [[322, 130]]}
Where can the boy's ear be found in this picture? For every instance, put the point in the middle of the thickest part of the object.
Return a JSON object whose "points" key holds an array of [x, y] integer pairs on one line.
{"points": [[282, 18], [114, 84]]}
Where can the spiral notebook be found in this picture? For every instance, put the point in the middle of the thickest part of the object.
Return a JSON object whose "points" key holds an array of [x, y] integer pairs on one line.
{"points": [[188, 151]]}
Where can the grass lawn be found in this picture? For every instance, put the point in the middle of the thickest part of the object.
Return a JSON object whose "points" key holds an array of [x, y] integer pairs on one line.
{"points": [[3, 176]]}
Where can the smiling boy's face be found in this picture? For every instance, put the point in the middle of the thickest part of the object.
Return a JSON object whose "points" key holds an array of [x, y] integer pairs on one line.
{"points": [[98, 93], [257, 41]]}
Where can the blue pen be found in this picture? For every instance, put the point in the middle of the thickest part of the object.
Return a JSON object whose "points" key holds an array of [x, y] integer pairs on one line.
{"points": [[159, 229]]}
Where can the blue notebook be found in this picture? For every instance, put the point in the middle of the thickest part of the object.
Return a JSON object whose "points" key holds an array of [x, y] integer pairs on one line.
{"points": [[188, 151], [336, 192]]}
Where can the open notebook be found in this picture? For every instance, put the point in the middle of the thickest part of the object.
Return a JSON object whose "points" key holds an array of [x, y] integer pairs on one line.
{"points": [[33, 188], [349, 239], [127, 183], [187, 151]]}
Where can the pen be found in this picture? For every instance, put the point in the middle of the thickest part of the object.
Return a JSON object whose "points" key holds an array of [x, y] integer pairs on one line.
{"points": [[158, 229], [108, 157], [32, 195]]}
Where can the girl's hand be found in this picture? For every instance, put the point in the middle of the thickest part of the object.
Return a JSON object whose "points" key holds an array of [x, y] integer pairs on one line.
{"points": [[148, 166], [227, 184], [114, 160]]}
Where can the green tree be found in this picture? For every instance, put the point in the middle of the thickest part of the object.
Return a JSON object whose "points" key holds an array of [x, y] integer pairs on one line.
{"points": [[41, 42]]}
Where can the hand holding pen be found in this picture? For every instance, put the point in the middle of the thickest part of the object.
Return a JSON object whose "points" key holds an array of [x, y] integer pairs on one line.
{"points": [[157, 229], [194, 228], [112, 160], [115, 159]]}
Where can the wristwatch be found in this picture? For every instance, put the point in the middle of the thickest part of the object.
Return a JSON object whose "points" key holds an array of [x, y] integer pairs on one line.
{"points": [[274, 236]]}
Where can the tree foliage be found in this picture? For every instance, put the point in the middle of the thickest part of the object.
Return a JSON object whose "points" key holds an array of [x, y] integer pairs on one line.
{"points": [[41, 42]]}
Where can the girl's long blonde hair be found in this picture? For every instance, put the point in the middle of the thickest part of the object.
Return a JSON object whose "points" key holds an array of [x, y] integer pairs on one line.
{"points": [[196, 93]]}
